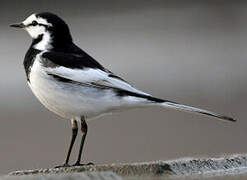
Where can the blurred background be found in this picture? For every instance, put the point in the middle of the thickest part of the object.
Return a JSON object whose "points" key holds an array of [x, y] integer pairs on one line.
{"points": [[193, 52]]}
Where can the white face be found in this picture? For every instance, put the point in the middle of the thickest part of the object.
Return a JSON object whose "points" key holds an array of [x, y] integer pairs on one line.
{"points": [[35, 26]]}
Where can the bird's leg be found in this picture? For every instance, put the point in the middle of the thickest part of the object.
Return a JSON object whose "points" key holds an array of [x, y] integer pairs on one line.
{"points": [[73, 137], [84, 134]]}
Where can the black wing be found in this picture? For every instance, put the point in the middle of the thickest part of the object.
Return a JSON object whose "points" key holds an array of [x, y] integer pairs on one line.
{"points": [[75, 60], [70, 60]]}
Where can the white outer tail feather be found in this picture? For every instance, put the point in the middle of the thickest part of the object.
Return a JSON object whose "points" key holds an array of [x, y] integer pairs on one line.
{"points": [[196, 110]]}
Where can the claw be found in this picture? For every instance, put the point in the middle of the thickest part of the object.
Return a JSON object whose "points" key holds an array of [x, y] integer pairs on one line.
{"points": [[79, 164]]}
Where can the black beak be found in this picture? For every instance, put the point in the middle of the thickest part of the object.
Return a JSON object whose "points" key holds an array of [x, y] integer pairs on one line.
{"points": [[17, 25]]}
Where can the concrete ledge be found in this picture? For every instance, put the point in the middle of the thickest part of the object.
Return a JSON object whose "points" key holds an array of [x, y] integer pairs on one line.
{"points": [[233, 164], [67, 176]]}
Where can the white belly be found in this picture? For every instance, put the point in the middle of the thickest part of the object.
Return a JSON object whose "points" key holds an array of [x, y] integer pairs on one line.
{"points": [[69, 100]]}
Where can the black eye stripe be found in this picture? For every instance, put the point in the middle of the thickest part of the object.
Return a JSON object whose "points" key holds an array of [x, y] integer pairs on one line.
{"points": [[43, 25], [35, 23]]}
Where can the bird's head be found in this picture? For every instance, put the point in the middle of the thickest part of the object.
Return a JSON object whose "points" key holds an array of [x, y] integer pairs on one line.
{"points": [[47, 30]]}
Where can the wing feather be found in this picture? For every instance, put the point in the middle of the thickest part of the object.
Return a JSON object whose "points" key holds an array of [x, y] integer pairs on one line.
{"points": [[86, 73]]}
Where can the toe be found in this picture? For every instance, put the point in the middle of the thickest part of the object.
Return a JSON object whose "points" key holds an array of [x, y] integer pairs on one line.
{"points": [[81, 164]]}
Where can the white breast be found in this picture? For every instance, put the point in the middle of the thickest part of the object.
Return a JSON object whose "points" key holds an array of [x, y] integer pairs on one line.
{"points": [[69, 100], [45, 90]]}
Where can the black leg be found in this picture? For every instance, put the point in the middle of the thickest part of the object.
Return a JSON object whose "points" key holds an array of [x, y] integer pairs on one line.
{"points": [[84, 134], [73, 137]]}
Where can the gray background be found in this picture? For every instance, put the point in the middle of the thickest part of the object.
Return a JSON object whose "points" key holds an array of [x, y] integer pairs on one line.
{"points": [[193, 52]]}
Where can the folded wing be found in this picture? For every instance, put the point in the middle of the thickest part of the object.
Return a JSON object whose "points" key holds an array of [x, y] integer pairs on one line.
{"points": [[83, 69]]}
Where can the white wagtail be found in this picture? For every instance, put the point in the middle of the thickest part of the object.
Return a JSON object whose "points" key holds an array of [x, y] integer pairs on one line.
{"points": [[72, 84]]}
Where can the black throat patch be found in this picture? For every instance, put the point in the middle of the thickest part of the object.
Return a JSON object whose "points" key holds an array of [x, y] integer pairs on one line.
{"points": [[29, 60], [30, 55]]}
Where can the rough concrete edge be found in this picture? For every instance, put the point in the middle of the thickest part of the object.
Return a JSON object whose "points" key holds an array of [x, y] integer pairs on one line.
{"points": [[178, 167], [65, 176]]}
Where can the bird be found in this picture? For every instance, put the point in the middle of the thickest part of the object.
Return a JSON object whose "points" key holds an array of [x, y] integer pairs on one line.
{"points": [[73, 85]]}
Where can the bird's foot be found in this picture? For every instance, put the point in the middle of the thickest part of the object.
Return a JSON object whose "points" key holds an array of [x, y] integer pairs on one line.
{"points": [[80, 164], [63, 166]]}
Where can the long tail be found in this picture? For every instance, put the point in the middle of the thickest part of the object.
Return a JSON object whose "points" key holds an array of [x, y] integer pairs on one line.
{"points": [[173, 105], [182, 107]]}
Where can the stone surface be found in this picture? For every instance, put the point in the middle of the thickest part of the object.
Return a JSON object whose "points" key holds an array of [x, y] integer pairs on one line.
{"points": [[172, 168], [67, 176]]}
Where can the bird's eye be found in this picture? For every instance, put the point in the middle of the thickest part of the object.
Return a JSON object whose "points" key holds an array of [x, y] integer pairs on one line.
{"points": [[34, 23]]}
